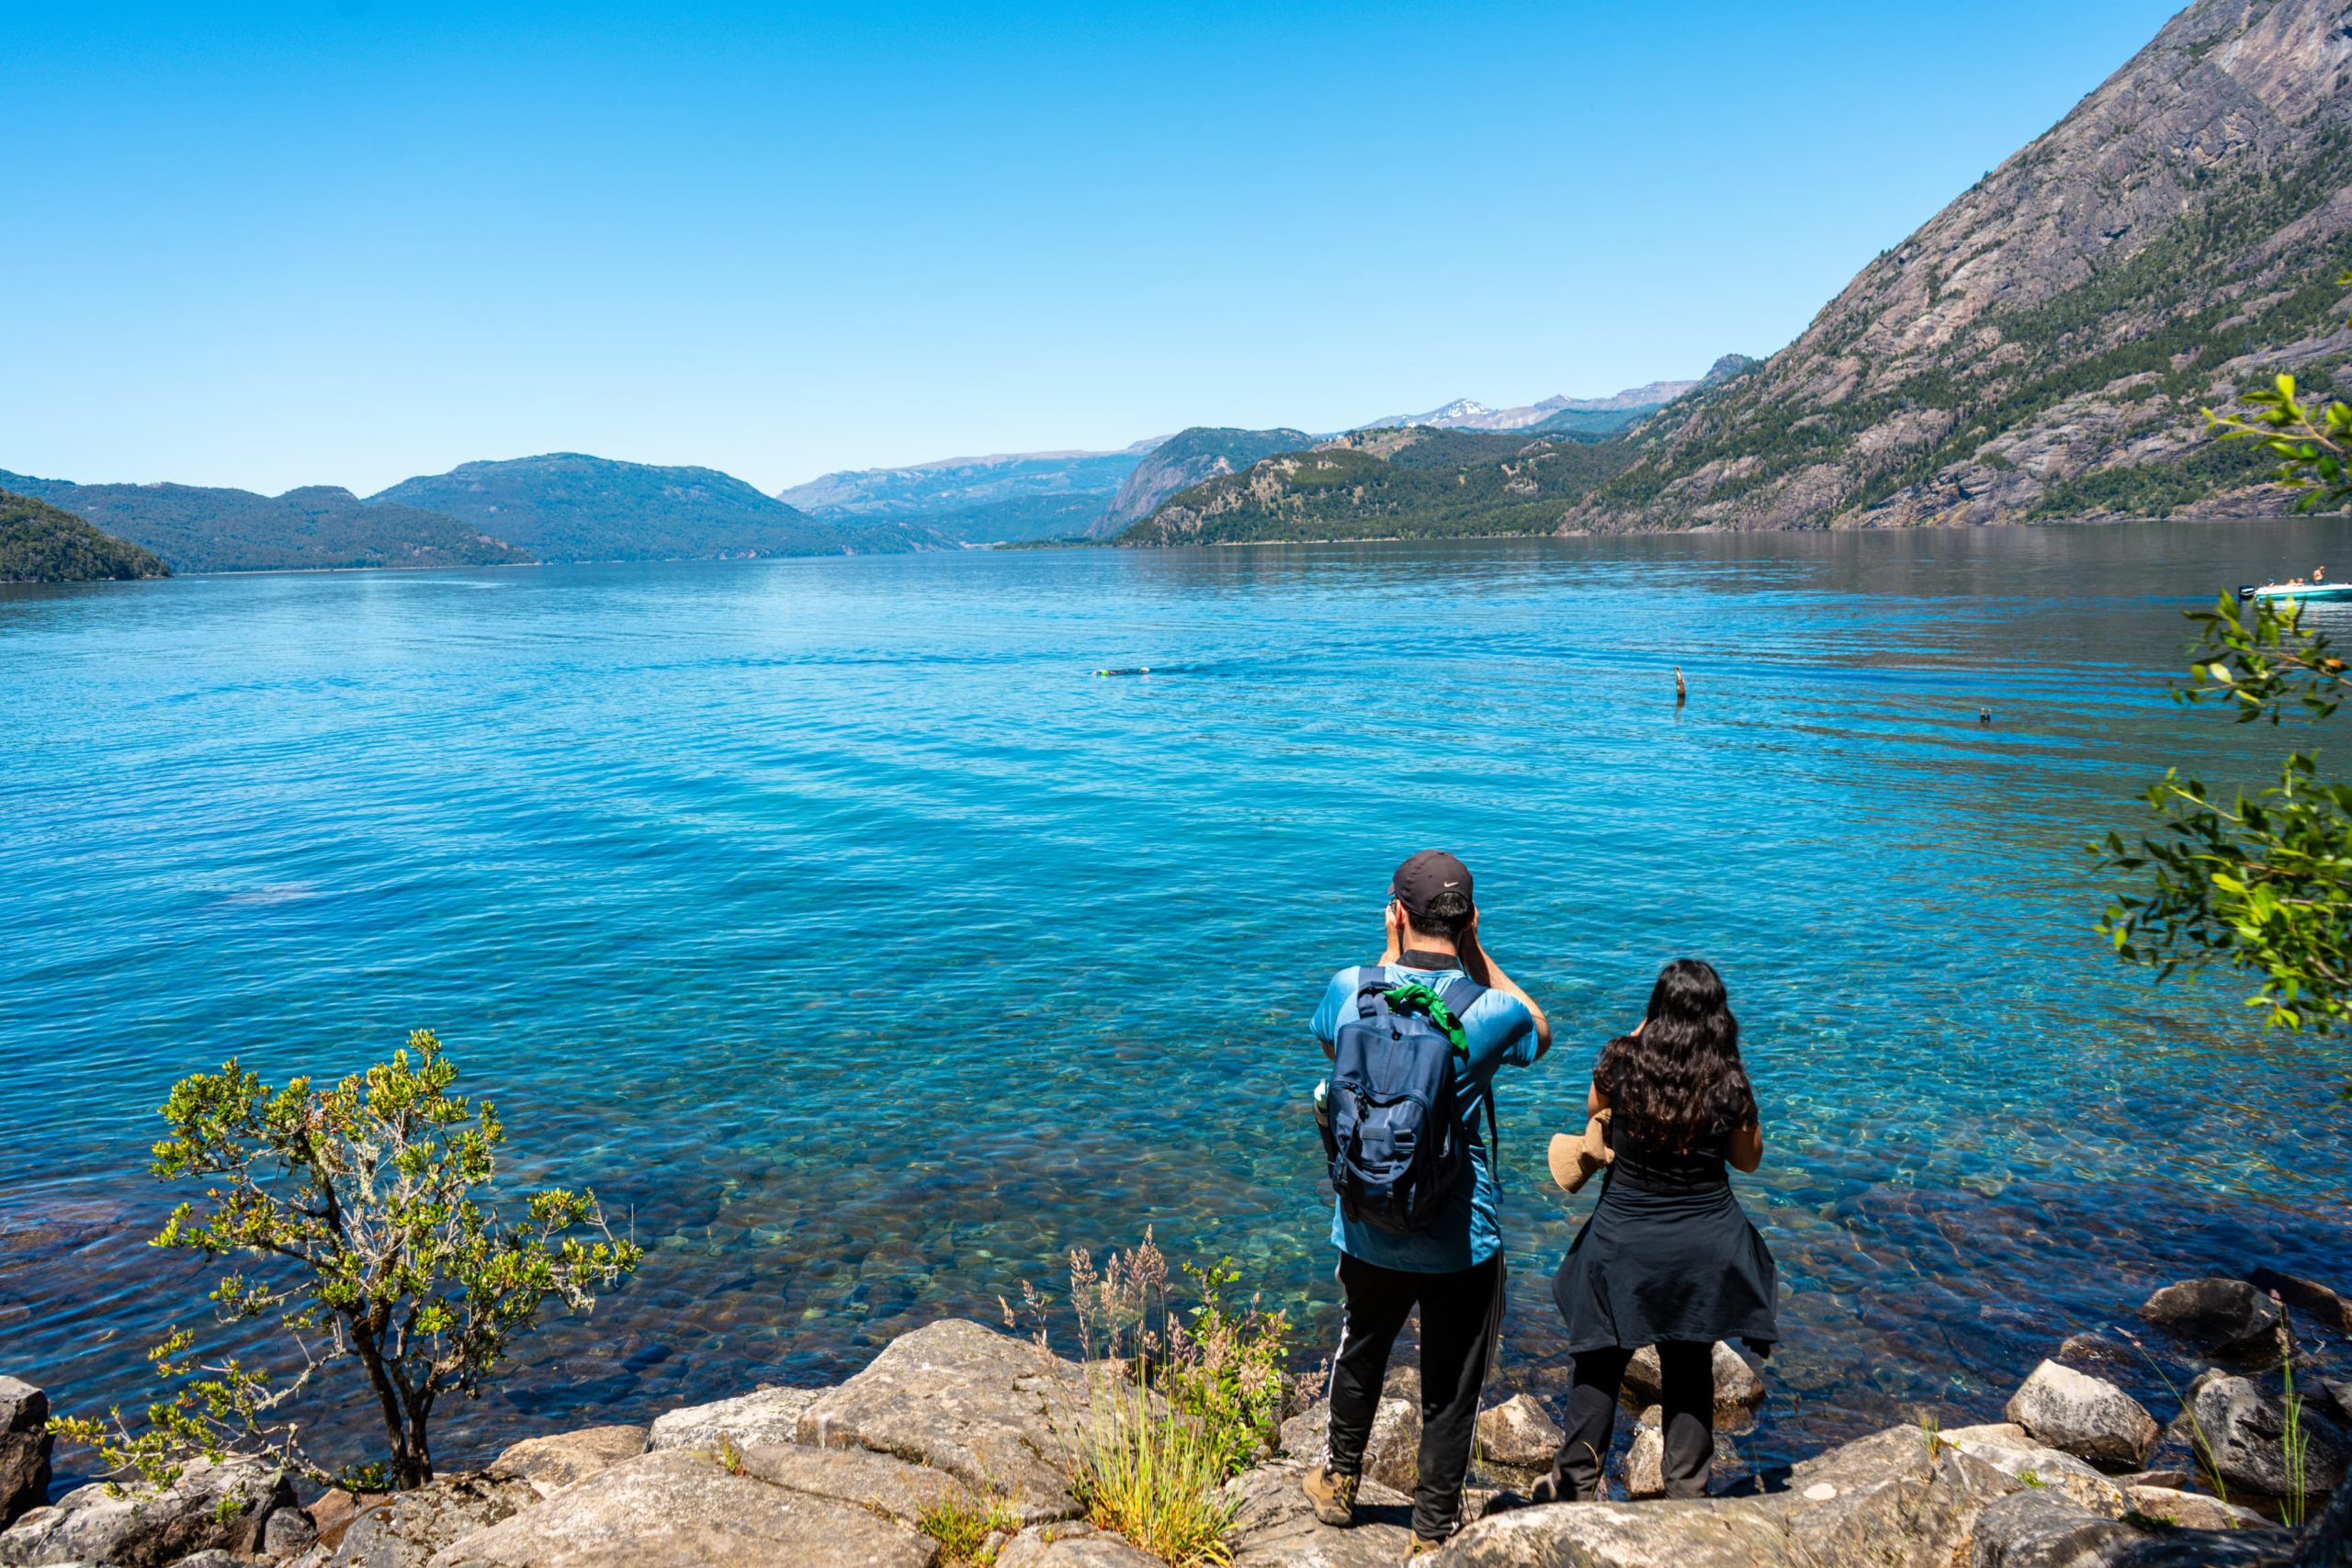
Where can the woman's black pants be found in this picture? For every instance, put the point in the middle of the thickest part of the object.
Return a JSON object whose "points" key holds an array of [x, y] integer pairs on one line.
{"points": [[1689, 1398]]}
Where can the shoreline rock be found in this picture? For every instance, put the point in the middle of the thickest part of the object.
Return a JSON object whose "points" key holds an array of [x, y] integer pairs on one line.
{"points": [[2087, 1416], [958, 1413]]}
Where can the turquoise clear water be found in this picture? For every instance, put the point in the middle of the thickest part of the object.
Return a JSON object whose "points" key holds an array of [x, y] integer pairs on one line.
{"points": [[866, 951]]}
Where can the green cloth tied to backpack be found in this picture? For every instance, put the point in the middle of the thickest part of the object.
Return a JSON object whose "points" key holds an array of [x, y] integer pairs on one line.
{"points": [[1414, 996]]}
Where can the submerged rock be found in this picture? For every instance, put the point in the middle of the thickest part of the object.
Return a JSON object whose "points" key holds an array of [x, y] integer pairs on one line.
{"points": [[2087, 1416], [764, 1416], [679, 1508], [2322, 1308], [223, 1505], [2228, 1317], [24, 1448]]}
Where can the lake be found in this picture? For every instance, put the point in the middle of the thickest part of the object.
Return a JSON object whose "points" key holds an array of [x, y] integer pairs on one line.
{"points": [[866, 951]]}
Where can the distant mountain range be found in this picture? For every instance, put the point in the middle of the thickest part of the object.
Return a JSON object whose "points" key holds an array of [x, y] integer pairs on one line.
{"points": [[40, 543], [1009, 498], [320, 527], [1465, 414], [560, 507], [566, 506]]}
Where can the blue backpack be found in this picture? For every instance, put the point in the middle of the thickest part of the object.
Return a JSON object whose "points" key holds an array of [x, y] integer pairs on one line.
{"points": [[1392, 1133]]}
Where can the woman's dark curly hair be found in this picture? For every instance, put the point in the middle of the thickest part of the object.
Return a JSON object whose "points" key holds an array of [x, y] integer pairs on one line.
{"points": [[1680, 1083]]}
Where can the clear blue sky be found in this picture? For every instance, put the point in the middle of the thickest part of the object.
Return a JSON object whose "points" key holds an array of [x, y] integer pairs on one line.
{"points": [[347, 243]]}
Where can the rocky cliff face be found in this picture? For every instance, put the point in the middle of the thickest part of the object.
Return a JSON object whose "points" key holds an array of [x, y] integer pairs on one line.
{"points": [[1183, 460], [2041, 348]]}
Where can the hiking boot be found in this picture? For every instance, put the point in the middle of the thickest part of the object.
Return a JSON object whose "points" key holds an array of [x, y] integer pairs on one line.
{"points": [[1334, 1496], [1422, 1545]]}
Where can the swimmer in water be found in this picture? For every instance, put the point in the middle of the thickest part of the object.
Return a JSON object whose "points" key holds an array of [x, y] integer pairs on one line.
{"points": [[1984, 716]]}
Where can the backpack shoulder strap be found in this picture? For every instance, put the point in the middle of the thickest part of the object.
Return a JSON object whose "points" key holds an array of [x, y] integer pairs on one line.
{"points": [[1372, 982], [1461, 995]]}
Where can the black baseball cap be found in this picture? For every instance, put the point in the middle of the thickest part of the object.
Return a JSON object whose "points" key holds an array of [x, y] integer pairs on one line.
{"points": [[1425, 876]]}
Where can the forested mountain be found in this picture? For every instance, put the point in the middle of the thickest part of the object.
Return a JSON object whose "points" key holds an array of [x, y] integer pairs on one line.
{"points": [[567, 506], [2041, 348], [199, 528], [1186, 458], [1383, 484], [41, 544], [1007, 498]]}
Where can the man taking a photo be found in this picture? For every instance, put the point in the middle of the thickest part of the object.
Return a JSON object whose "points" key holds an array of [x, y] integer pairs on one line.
{"points": [[1415, 1041]]}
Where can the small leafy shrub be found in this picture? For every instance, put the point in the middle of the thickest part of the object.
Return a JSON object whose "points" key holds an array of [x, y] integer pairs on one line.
{"points": [[362, 1206]]}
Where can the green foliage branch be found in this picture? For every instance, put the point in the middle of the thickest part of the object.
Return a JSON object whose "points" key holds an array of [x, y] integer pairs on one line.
{"points": [[2260, 884], [362, 1204]]}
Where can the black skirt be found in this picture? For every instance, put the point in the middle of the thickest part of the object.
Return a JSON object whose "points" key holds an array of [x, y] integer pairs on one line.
{"points": [[1658, 1265]]}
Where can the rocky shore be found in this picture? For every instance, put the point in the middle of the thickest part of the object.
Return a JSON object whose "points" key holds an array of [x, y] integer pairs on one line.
{"points": [[957, 1415]]}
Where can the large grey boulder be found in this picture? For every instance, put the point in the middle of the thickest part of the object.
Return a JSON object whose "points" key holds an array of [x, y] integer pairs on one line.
{"points": [[1645, 1456], [2240, 1430], [1899, 1499], [403, 1530], [223, 1505], [2010, 1449], [24, 1448], [877, 1482], [764, 1416], [2087, 1416], [1739, 1388], [679, 1508], [1392, 1457], [2190, 1510], [2228, 1317], [553, 1462], [2038, 1529], [1712, 1534], [1891, 1500], [997, 1413], [1088, 1548], [1518, 1433], [1276, 1526]]}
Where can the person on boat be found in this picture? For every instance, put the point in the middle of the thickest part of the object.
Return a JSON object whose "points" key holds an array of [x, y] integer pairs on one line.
{"points": [[1668, 1257], [1421, 1229]]}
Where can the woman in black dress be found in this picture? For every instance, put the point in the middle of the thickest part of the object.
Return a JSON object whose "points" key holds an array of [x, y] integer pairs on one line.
{"points": [[1668, 1257]]}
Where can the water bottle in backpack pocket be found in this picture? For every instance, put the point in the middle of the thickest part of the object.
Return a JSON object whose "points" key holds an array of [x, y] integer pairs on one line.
{"points": [[1393, 1131]]}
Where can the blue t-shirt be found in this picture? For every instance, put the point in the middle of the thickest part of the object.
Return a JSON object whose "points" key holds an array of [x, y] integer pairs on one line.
{"points": [[1498, 1029]]}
